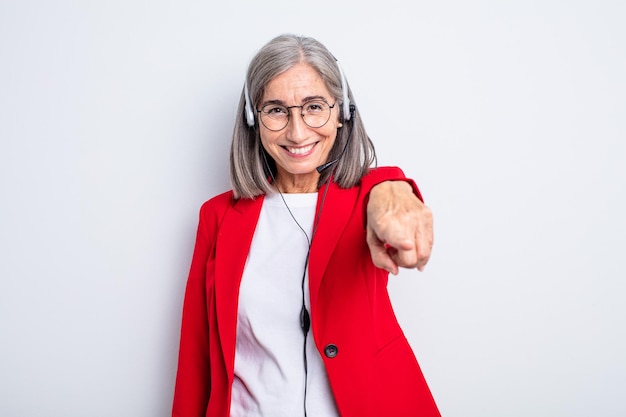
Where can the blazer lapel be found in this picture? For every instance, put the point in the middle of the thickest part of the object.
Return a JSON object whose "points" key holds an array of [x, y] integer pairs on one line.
{"points": [[233, 244], [336, 210]]}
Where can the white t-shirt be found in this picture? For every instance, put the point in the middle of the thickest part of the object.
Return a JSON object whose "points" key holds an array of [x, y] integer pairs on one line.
{"points": [[269, 358]]}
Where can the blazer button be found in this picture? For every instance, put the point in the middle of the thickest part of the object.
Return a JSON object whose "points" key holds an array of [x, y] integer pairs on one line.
{"points": [[330, 351]]}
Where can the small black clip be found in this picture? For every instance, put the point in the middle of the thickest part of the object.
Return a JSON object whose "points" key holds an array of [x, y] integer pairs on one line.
{"points": [[305, 320]]}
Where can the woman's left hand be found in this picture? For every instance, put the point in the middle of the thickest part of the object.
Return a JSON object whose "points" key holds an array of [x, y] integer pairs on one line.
{"points": [[399, 227]]}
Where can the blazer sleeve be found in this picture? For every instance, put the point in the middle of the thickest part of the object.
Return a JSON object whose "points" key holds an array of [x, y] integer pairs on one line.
{"points": [[377, 175], [193, 384]]}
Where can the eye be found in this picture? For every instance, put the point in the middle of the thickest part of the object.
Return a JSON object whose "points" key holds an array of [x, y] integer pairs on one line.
{"points": [[274, 110], [314, 107]]}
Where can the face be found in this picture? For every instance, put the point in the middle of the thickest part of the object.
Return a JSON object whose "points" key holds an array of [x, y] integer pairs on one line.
{"points": [[298, 149]]}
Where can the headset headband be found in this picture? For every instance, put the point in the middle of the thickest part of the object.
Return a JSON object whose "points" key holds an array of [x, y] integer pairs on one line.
{"points": [[347, 114]]}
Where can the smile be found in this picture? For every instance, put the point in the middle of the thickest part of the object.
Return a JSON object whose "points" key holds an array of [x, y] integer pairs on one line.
{"points": [[301, 150]]}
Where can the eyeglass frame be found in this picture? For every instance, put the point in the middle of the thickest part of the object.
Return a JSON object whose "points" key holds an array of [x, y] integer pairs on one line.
{"points": [[301, 114]]}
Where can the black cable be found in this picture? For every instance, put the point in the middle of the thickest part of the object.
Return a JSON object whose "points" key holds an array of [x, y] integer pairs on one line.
{"points": [[305, 317]]}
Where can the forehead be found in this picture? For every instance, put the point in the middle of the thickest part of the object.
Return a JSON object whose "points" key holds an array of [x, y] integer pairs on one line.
{"points": [[296, 84]]}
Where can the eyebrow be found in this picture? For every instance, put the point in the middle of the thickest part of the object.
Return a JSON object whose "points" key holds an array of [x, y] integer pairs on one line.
{"points": [[304, 100]]}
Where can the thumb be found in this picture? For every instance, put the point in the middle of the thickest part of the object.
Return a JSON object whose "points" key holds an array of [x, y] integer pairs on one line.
{"points": [[381, 253]]}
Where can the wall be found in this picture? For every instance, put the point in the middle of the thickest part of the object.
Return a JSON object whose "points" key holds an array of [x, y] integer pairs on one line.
{"points": [[115, 119]]}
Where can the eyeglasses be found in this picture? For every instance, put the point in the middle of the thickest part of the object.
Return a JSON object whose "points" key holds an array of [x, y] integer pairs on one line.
{"points": [[276, 117]]}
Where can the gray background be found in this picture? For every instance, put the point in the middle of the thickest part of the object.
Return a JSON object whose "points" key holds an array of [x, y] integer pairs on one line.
{"points": [[115, 120]]}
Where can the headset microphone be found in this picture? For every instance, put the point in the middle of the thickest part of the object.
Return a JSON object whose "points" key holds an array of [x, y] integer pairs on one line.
{"points": [[326, 165], [322, 167]]}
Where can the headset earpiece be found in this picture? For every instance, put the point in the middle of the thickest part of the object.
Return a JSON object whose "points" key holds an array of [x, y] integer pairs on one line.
{"points": [[248, 108], [347, 109]]}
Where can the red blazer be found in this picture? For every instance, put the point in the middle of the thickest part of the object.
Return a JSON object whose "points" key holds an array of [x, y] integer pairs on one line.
{"points": [[370, 365]]}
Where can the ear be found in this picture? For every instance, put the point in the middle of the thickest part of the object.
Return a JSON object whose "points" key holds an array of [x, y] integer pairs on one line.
{"points": [[339, 125]]}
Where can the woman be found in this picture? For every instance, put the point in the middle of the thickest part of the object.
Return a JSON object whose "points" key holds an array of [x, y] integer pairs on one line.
{"points": [[286, 310]]}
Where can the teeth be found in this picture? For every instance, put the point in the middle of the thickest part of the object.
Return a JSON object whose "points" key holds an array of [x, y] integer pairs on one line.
{"points": [[301, 150]]}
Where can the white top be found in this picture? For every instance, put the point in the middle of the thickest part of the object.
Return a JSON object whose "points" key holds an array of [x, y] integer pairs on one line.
{"points": [[269, 358]]}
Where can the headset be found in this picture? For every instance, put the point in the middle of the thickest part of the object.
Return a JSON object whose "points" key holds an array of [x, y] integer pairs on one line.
{"points": [[347, 109], [347, 113]]}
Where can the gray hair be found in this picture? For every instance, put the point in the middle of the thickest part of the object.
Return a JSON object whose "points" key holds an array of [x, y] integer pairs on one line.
{"points": [[250, 165]]}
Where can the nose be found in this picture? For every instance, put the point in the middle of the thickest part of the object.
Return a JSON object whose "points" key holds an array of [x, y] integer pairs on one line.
{"points": [[296, 128]]}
